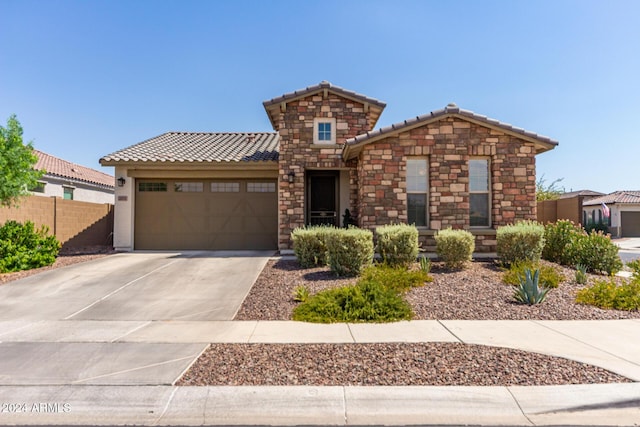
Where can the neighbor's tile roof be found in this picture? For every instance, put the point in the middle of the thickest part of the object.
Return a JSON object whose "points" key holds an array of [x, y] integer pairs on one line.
{"points": [[201, 147], [64, 169], [323, 85], [449, 109], [615, 197], [586, 193]]}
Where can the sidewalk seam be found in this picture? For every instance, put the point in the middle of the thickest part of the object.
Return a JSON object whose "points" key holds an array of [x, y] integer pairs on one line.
{"points": [[344, 404], [351, 333], [519, 407], [451, 332], [137, 328], [253, 331], [166, 407]]}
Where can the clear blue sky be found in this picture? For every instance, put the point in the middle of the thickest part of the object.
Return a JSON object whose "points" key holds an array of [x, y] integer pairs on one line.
{"points": [[86, 78]]}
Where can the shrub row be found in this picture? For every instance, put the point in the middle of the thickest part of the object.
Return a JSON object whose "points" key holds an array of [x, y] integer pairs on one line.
{"points": [[523, 241], [455, 247], [23, 247]]}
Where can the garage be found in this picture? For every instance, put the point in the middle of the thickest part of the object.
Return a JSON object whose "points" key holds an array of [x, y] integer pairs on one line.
{"points": [[206, 214], [630, 222]]}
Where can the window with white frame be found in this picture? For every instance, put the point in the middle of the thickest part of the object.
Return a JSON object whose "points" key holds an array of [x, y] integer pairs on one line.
{"points": [[324, 130], [479, 200], [417, 192], [188, 187]]}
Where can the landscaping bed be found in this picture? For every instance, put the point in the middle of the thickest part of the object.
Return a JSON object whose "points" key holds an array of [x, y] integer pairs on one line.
{"points": [[475, 293]]}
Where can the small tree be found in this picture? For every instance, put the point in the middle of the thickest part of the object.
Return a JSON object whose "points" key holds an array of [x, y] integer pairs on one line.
{"points": [[16, 163], [548, 192]]}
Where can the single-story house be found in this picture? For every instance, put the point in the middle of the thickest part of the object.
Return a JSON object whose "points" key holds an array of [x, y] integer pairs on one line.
{"points": [[71, 181], [448, 168], [624, 212]]}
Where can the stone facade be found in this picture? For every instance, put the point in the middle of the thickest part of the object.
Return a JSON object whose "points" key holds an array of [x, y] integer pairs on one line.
{"points": [[298, 153]]}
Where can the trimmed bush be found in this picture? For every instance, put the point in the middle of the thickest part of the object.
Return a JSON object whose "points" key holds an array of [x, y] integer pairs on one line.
{"points": [[559, 242], [608, 295], [349, 250], [455, 247], [598, 253], [396, 278], [522, 241], [309, 245], [397, 244], [23, 247], [549, 276]]}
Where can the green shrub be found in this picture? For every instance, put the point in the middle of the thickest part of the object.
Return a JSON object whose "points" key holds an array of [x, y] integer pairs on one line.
{"points": [[606, 294], [309, 245], [597, 252], [454, 247], [581, 274], [528, 291], [522, 241], [349, 250], [559, 242], [549, 277], [596, 226], [425, 264], [635, 268], [23, 247], [397, 244], [376, 297], [301, 294]]}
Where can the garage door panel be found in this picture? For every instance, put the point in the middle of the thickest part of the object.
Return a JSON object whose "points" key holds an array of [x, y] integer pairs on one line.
{"points": [[630, 222], [223, 216]]}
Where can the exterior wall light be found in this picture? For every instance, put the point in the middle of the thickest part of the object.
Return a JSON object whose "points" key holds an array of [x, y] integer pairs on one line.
{"points": [[121, 182], [291, 177]]}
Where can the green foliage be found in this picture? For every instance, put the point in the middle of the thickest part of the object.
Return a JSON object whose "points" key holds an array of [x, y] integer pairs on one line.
{"points": [[597, 252], [425, 264], [546, 191], [349, 250], [528, 292], [301, 294], [23, 247], [549, 277], [606, 294], [522, 241], [397, 244], [596, 226], [581, 274], [309, 245], [454, 247], [376, 297], [635, 268], [559, 242], [16, 164]]}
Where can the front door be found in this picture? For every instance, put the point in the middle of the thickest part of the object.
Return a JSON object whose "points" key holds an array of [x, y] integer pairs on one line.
{"points": [[322, 198]]}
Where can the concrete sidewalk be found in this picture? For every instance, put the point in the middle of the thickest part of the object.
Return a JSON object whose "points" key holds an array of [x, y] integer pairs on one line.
{"points": [[107, 389]]}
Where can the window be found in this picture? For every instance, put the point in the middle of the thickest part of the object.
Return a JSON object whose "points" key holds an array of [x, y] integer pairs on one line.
{"points": [[68, 193], [417, 189], [39, 187], [479, 193], [324, 131], [225, 187], [152, 186], [188, 187], [261, 187]]}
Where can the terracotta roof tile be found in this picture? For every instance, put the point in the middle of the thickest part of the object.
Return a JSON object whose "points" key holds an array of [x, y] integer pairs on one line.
{"points": [[62, 168], [200, 147], [619, 197]]}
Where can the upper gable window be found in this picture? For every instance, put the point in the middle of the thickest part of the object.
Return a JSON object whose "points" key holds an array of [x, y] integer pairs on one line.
{"points": [[324, 130]]}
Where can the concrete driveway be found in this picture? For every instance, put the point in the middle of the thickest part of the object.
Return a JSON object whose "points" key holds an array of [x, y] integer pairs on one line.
{"points": [[66, 326]]}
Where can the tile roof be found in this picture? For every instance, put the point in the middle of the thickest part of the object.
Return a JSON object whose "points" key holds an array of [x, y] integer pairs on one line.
{"points": [[586, 193], [451, 109], [621, 197], [64, 169], [324, 85], [190, 147]]}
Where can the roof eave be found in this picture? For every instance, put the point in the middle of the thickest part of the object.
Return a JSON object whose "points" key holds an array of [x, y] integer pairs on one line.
{"points": [[211, 165]]}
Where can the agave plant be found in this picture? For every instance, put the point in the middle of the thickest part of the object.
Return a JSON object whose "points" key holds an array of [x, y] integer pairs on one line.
{"points": [[581, 274], [528, 292], [425, 264]]}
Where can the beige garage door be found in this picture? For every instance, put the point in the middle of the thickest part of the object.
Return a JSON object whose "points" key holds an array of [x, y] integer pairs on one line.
{"points": [[630, 224], [206, 214]]}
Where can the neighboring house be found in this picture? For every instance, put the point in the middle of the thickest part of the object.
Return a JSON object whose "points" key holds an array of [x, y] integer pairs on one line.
{"points": [[448, 168], [73, 182], [624, 213], [567, 206]]}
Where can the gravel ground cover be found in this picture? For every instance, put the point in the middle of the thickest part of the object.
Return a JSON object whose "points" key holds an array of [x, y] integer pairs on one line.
{"points": [[476, 293], [437, 364]]}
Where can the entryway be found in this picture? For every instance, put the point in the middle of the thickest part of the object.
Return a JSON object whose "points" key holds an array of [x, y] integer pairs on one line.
{"points": [[323, 198]]}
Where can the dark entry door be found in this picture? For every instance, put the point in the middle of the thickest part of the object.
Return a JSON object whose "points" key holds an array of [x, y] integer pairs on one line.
{"points": [[322, 197]]}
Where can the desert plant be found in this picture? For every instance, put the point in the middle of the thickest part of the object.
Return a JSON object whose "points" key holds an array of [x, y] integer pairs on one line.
{"points": [[454, 247], [522, 241], [559, 242], [301, 294], [425, 264], [549, 277], [349, 250], [23, 247], [397, 244], [609, 295], [597, 252], [581, 274], [397, 278], [528, 292], [635, 268], [309, 245]]}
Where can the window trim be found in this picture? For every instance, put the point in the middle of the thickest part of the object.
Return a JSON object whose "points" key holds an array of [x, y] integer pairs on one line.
{"points": [[316, 129], [68, 189], [426, 192], [487, 192]]}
